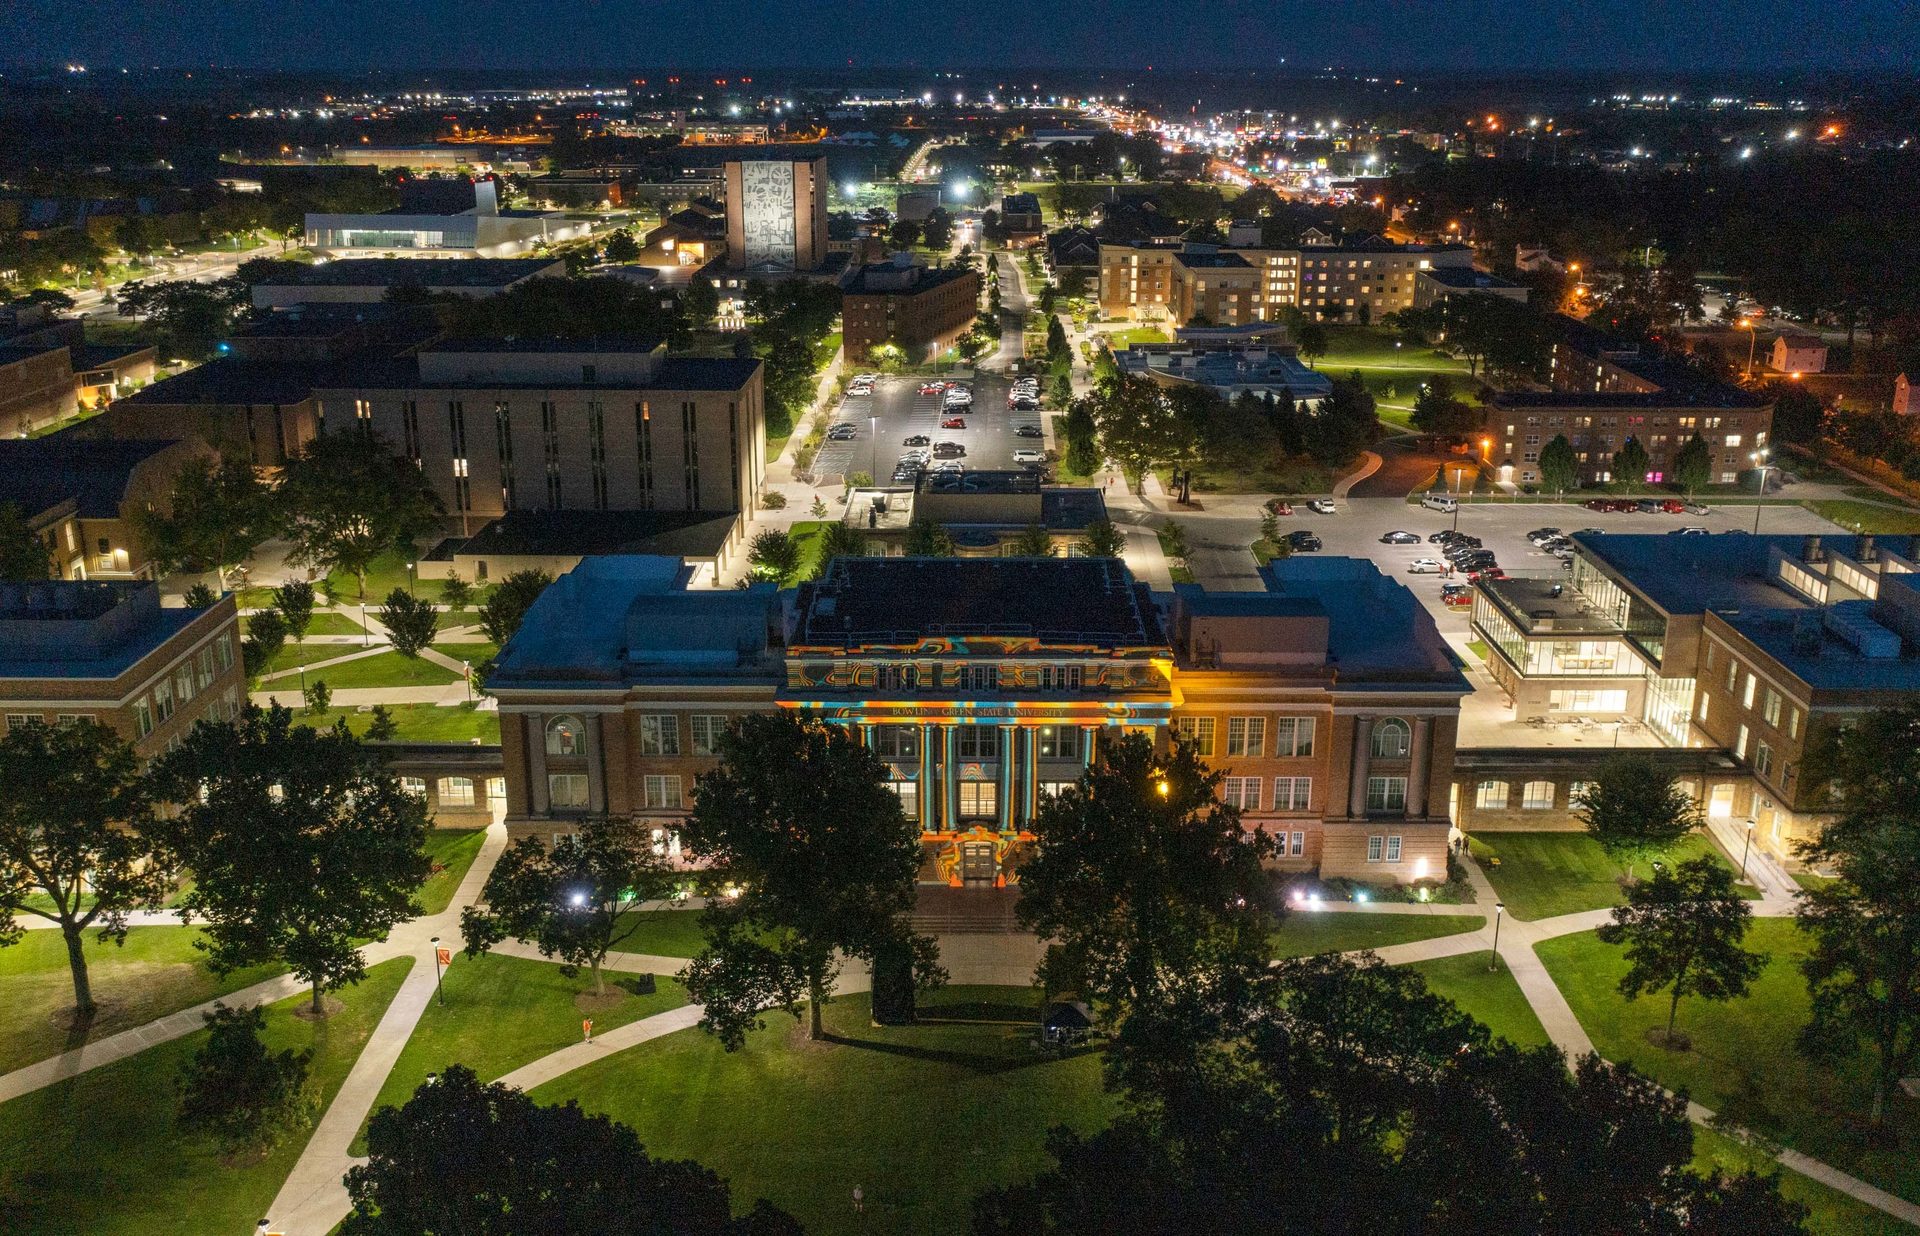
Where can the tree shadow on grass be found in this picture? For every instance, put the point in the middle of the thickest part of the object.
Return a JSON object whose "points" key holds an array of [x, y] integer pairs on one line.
{"points": [[1012, 1059]]}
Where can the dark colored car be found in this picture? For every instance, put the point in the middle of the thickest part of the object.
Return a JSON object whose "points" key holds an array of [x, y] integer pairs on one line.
{"points": [[918, 439], [1029, 431], [1399, 538], [1303, 541]]}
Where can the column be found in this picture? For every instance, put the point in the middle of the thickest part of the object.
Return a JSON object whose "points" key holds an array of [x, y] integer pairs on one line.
{"points": [[926, 778], [950, 776], [1029, 776], [535, 734], [865, 733], [1006, 778], [1417, 769], [1087, 733], [1362, 753], [596, 766]]}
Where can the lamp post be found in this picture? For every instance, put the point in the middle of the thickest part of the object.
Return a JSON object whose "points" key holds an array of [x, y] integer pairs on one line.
{"points": [[438, 990], [1745, 849], [1759, 458], [873, 433], [1753, 337], [410, 579], [1499, 912]]}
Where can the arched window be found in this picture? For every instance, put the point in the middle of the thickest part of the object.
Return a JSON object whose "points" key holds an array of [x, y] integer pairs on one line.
{"points": [[1392, 739], [566, 736]]}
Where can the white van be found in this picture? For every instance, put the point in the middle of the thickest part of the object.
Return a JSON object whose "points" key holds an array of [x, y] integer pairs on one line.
{"points": [[1440, 502]]}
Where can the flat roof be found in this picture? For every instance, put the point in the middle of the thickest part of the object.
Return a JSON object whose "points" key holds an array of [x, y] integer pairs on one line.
{"points": [[596, 343], [682, 534], [1819, 658], [389, 272], [230, 380], [1555, 600], [1091, 602], [1692, 574], [44, 472], [882, 279], [1377, 630], [1466, 277]]}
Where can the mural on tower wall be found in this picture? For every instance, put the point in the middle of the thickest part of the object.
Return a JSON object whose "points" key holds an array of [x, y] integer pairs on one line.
{"points": [[767, 213]]}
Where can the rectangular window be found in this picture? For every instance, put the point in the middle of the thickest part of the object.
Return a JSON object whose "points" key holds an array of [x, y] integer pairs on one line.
{"points": [[1241, 792], [706, 733], [1746, 694], [643, 435], [909, 794], [496, 791], [20, 720], [203, 666], [1763, 759], [896, 742], [978, 742], [1386, 793], [1376, 845], [1293, 736], [1053, 789], [1297, 845], [1771, 708], [223, 653], [456, 791], [70, 718], [1196, 731], [1740, 746], [1247, 736], [1490, 796], [663, 793], [1733, 674], [1793, 723], [416, 786], [1057, 742], [1393, 847], [1059, 678], [1292, 793], [979, 799], [183, 682], [163, 700], [567, 791], [981, 677], [1536, 796], [659, 734]]}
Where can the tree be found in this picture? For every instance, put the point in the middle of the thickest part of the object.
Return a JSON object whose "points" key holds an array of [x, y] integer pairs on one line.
{"points": [[1137, 425], [293, 602], [1032, 541], [1103, 540], [199, 596], [456, 592], [1083, 452], [839, 541], [774, 554], [1436, 411], [238, 1093], [411, 622], [217, 513], [802, 819], [1345, 423], [1057, 345], [266, 636], [191, 316], [1634, 808], [622, 247], [937, 231], [1864, 970], [508, 603], [318, 695], [1693, 466], [904, 234], [24, 557], [75, 845], [699, 303], [347, 500], [1559, 467], [1682, 930], [485, 1160], [927, 539], [1631, 463], [1147, 887], [576, 900], [1310, 340], [381, 726], [302, 843]]}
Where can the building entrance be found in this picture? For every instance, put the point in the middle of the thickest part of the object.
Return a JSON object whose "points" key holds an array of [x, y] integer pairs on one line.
{"points": [[977, 864]]}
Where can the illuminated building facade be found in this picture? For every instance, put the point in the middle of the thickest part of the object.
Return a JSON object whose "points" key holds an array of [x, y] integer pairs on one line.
{"points": [[1329, 701], [776, 215]]}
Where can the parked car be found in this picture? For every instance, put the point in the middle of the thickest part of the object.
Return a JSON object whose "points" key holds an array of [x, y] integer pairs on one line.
{"points": [[1696, 531], [1673, 506], [953, 422], [1027, 455], [1322, 506], [916, 439], [1023, 403], [1539, 535], [1591, 531], [1492, 572], [1446, 536], [948, 450], [932, 388], [1398, 537], [842, 431], [1279, 506], [1029, 431], [1426, 566], [949, 467], [1303, 541], [1695, 508], [1646, 506]]}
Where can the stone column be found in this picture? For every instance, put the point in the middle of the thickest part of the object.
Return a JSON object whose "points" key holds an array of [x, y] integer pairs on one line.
{"points": [[596, 767], [1029, 776], [1087, 733], [950, 777], [926, 778], [1362, 754], [534, 731], [1417, 769], [1007, 733]]}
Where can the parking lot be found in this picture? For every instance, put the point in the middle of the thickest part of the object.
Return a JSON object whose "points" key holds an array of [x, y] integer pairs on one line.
{"points": [[897, 411]]}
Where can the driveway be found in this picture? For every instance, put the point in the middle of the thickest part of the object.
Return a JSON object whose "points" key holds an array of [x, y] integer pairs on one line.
{"points": [[1404, 467]]}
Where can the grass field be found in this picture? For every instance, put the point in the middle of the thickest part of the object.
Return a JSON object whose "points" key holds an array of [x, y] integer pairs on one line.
{"points": [[474, 652], [1488, 996], [806, 534], [503, 1012], [1393, 371], [668, 933], [387, 573], [1743, 1063], [453, 851], [1865, 516], [157, 972], [1304, 932], [1291, 476], [1833, 1213], [99, 1155], [920, 1117], [382, 669], [1541, 875], [418, 722], [293, 656], [324, 623]]}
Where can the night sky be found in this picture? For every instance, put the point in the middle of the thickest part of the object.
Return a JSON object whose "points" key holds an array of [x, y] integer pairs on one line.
{"points": [[1865, 35]]}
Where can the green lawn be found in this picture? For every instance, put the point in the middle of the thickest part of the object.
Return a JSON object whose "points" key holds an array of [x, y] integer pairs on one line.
{"points": [[1545, 874], [1275, 476], [503, 1012], [1833, 1213], [1305, 932], [293, 656], [474, 652], [1121, 340], [806, 534], [1061, 473], [382, 669], [387, 573], [157, 972], [323, 623], [99, 1155], [668, 933], [418, 722], [1489, 996], [921, 1117], [1743, 1063], [452, 851], [1865, 516]]}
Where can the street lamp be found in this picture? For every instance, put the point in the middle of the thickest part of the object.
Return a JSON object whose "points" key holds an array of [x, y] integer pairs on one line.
{"points": [[1759, 459], [1753, 337], [1745, 849], [409, 579], [438, 990], [1499, 912], [873, 434]]}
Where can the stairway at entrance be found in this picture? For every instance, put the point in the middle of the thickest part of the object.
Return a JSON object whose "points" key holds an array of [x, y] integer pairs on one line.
{"points": [[940, 909]]}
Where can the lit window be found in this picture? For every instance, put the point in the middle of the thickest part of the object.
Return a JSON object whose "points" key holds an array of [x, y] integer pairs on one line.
{"points": [[1241, 792], [659, 734], [1061, 742], [1292, 793], [706, 734], [456, 791], [567, 791], [1392, 739], [1386, 793], [416, 786], [565, 736], [1536, 796], [1490, 796], [1293, 736], [663, 793], [1246, 736]]}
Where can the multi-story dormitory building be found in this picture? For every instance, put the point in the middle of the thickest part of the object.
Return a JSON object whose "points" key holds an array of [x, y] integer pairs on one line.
{"points": [[1233, 285], [1737, 652], [1329, 700]]}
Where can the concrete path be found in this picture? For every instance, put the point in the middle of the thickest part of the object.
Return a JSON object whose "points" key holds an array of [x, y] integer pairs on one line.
{"points": [[1370, 462]]}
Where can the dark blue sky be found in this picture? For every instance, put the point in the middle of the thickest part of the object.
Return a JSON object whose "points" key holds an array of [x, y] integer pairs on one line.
{"points": [[1743, 35]]}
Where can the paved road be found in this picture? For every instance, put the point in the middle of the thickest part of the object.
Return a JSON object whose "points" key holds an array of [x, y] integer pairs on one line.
{"points": [[198, 268], [1404, 467], [897, 410]]}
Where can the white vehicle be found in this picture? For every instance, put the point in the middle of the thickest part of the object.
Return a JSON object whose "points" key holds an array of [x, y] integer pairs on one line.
{"points": [[1029, 456], [1322, 506], [1440, 502], [1426, 566]]}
